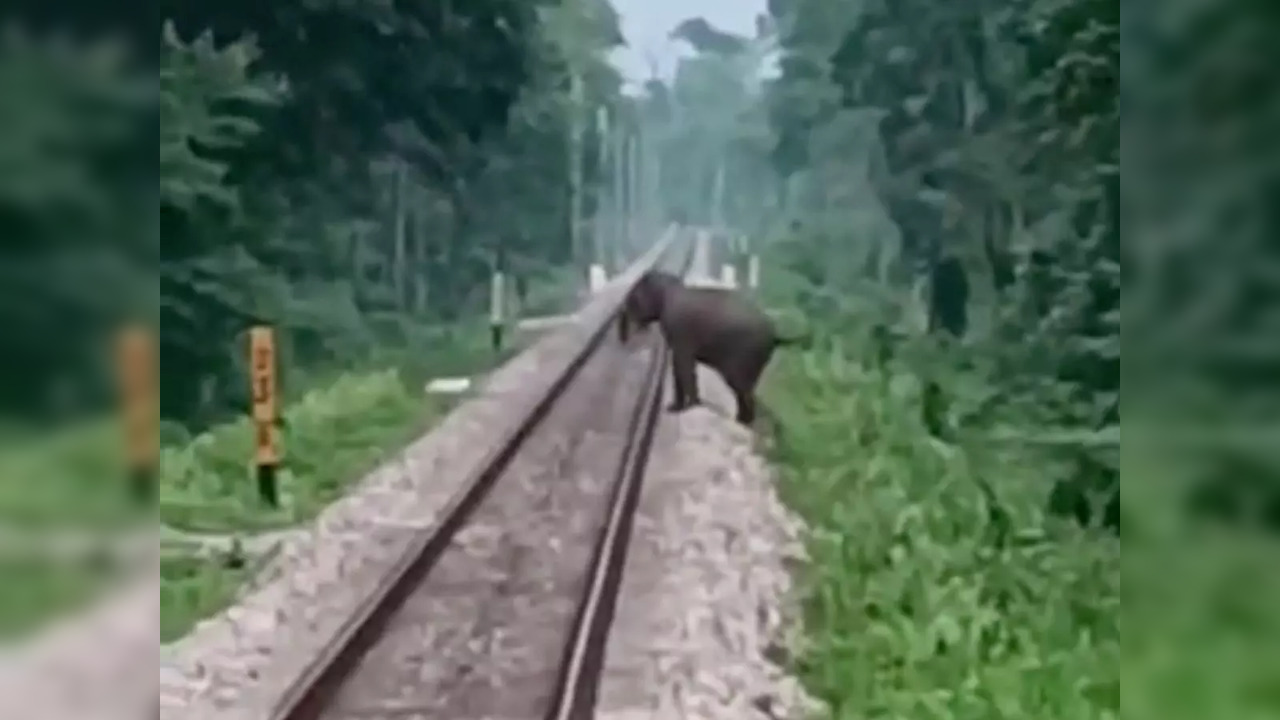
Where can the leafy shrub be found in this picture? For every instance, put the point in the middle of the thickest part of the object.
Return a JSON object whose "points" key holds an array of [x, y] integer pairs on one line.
{"points": [[330, 438], [70, 477], [940, 586], [934, 590], [332, 434]]}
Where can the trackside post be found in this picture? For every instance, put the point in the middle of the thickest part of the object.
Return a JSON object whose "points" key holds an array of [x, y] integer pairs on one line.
{"points": [[729, 275], [140, 411], [497, 319], [266, 440], [596, 277]]}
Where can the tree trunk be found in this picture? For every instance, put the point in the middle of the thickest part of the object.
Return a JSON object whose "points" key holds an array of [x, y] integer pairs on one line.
{"points": [[399, 216]]}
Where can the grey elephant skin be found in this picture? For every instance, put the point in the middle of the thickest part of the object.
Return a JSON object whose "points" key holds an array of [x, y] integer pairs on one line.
{"points": [[717, 327]]}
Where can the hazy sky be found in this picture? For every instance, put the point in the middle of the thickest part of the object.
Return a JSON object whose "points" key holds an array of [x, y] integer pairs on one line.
{"points": [[646, 24]]}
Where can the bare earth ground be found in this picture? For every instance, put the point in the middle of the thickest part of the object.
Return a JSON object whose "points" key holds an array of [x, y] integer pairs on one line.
{"points": [[705, 595]]}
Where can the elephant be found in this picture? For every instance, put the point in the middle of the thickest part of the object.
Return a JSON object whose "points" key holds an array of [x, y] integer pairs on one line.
{"points": [[717, 327]]}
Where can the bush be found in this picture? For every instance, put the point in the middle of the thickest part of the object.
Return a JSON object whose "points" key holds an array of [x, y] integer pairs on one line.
{"points": [[940, 584], [330, 438], [71, 479], [925, 598]]}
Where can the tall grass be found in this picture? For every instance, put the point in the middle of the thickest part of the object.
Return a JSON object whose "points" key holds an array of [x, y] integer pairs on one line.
{"points": [[939, 587], [338, 424], [923, 600]]}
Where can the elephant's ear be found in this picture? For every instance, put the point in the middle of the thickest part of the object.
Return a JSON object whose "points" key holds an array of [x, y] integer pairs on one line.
{"points": [[642, 302]]}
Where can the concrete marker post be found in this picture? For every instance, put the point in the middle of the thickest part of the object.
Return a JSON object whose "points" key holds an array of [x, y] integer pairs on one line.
{"points": [[753, 271], [596, 278], [497, 291], [729, 275]]}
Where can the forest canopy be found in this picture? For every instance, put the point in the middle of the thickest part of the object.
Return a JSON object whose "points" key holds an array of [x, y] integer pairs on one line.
{"points": [[342, 171]]}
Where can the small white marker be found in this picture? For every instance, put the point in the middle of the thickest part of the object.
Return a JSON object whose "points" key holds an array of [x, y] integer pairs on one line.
{"points": [[753, 272], [596, 278], [496, 305], [729, 275], [448, 385], [549, 322]]}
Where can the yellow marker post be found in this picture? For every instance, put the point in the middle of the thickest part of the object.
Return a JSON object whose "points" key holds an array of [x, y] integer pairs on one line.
{"points": [[266, 448], [140, 410]]}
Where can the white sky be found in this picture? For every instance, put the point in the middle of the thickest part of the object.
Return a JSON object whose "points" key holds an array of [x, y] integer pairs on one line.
{"points": [[646, 24]]}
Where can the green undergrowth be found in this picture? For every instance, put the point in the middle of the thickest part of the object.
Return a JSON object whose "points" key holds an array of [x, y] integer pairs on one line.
{"points": [[331, 437], [192, 589], [34, 592], [917, 604], [69, 478], [337, 425], [939, 587]]}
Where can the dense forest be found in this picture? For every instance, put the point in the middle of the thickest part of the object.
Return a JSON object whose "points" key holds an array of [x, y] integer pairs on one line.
{"points": [[352, 172], [989, 139], [345, 172], [957, 168]]}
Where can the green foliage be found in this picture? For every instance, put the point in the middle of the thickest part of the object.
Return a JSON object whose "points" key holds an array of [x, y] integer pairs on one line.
{"points": [[347, 173], [199, 85], [340, 171], [70, 478], [927, 596], [68, 115], [332, 436], [917, 139], [34, 592], [68, 483], [192, 589], [939, 586]]}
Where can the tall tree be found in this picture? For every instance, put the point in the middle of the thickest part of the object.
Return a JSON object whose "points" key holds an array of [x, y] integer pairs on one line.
{"points": [[345, 172]]}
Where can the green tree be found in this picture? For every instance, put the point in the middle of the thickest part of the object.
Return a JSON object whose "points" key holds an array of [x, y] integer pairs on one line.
{"points": [[345, 172], [967, 156]]}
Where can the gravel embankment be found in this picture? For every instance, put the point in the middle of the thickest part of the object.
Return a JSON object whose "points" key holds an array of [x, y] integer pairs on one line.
{"points": [[482, 636], [706, 597], [236, 664]]}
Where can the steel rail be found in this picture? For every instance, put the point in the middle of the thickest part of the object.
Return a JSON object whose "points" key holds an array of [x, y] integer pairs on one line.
{"points": [[579, 679], [310, 693]]}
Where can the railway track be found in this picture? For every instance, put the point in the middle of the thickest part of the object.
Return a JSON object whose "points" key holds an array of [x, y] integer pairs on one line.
{"points": [[503, 609]]}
